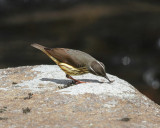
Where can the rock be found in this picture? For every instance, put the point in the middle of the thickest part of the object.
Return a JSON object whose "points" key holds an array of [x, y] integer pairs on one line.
{"points": [[37, 96]]}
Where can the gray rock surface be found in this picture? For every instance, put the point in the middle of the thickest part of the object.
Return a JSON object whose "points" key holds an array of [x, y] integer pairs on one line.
{"points": [[37, 96]]}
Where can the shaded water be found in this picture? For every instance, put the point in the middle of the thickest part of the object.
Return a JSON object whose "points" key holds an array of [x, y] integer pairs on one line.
{"points": [[124, 35]]}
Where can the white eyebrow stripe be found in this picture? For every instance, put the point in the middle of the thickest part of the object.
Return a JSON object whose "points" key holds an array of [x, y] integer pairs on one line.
{"points": [[101, 65], [93, 70]]}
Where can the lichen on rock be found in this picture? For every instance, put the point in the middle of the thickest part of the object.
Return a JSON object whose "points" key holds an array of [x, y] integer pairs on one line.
{"points": [[96, 103]]}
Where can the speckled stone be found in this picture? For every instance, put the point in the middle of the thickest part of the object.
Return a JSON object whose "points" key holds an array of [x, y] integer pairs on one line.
{"points": [[37, 96]]}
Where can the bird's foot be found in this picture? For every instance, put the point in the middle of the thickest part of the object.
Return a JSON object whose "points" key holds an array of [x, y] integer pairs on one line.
{"points": [[74, 80], [78, 82]]}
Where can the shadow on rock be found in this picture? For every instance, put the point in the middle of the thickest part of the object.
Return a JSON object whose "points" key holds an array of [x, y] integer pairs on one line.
{"points": [[64, 81]]}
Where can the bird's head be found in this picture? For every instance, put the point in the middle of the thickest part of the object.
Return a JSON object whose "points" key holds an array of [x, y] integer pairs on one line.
{"points": [[98, 68]]}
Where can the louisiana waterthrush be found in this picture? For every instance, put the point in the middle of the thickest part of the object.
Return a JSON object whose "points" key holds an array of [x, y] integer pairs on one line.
{"points": [[74, 62]]}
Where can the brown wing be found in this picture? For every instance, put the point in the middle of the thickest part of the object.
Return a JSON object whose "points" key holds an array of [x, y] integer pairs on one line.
{"points": [[61, 55], [72, 57]]}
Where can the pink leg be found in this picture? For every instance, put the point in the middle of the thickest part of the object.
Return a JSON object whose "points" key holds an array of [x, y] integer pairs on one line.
{"points": [[76, 81]]}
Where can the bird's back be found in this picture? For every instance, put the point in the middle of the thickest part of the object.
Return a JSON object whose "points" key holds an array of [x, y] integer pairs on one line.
{"points": [[72, 57]]}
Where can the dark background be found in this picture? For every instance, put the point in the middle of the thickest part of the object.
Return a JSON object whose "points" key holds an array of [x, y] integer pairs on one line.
{"points": [[123, 34]]}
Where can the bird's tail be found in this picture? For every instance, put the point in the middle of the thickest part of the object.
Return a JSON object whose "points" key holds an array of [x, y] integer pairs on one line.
{"points": [[38, 46], [43, 49]]}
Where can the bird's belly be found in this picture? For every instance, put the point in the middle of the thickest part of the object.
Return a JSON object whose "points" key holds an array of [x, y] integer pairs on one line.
{"points": [[70, 70]]}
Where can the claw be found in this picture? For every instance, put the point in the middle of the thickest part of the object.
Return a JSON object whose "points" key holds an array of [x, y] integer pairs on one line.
{"points": [[74, 80], [79, 82]]}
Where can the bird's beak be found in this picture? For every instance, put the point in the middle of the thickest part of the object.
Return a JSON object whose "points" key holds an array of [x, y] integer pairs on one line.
{"points": [[110, 81]]}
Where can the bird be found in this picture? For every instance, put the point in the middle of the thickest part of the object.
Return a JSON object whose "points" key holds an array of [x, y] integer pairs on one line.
{"points": [[74, 62]]}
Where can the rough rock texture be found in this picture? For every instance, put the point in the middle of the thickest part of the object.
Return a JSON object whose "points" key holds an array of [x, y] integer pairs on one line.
{"points": [[34, 96]]}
